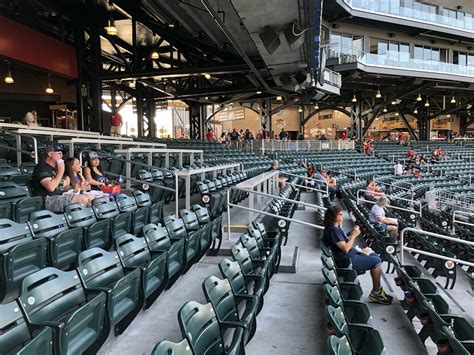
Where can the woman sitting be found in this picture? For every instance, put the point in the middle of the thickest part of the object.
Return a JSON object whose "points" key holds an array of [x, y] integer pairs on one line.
{"points": [[92, 173], [343, 247], [77, 183]]}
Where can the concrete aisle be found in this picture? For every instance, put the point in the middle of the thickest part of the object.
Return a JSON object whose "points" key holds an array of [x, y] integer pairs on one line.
{"points": [[291, 321]]}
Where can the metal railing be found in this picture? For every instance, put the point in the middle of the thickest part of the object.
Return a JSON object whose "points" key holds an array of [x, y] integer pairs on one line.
{"points": [[18, 149], [316, 226], [458, 221], [413, 202], [422, 252], [311, 179], [331, 77]]}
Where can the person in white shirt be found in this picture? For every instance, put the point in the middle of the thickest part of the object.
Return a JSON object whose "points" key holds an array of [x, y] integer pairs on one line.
{"points": [[377, 215], [398, 168]]}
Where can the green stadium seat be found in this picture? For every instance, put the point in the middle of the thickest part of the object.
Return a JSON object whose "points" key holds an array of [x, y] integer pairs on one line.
{"points": [[16, 336], [54, 298], [339, 346], [156, 212], [200, 326], [244, 286], [97, 233], [354, 311], [225, 303], [102, 271], [177, 231], [25, 206], [159, 241], [141, 217], [20, 255], [248, 266], [165, 347], [134, 253]]}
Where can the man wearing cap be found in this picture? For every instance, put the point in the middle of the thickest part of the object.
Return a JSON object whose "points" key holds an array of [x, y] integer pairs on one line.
{"points": [[49, 181]]}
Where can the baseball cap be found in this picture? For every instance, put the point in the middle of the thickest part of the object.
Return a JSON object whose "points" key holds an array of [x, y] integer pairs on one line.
{"points": [[93, 156], [53, 148]]}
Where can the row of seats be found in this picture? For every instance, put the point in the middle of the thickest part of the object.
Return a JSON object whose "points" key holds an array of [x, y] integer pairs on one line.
{"points": [[349, 325], [228, 322], [105, 290]]}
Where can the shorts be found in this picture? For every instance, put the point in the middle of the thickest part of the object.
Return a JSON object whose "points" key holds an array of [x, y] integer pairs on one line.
{"points": [[56, 203], [361, 262]]}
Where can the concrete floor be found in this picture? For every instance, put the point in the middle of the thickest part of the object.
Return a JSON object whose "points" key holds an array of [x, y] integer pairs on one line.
{"points": [[292, 320]]}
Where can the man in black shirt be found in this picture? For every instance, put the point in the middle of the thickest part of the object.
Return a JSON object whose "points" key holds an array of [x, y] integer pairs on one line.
{"points": [[50, 182], [234, 137], [283, 135]]}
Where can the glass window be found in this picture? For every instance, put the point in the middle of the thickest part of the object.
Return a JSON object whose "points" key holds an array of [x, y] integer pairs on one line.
{"points": [[382, 47], [426, 54], [443, 55], [418, 53], [404, 52], [455, 57], [358, 43], [346, 43], [470, 60], [462, 58]]}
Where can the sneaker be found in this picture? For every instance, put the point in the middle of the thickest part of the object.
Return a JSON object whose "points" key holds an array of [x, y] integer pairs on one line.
{"points": [[383, 293], [379, 298]]}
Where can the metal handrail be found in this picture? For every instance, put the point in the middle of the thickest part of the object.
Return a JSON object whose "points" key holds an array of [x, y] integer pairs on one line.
{"points": [[18, 146], [155, 185], [470, 214], [359, 199], [309, 178], [316, 226], [435, 235]]}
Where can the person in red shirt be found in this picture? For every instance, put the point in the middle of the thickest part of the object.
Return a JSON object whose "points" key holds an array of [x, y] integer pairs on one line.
{"points": [[210, 135], [259, 135], [411, 153], [344, 136], [115, 124]]}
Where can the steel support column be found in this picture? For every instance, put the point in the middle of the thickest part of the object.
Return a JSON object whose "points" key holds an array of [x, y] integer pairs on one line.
{"points": [[423, 123], [196, 121]]}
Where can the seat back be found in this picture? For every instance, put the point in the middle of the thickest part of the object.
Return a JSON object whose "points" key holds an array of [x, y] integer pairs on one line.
{"points": [[79, 216], [333, 295], [142, 199], [166, 347], [103, 208], [242, 256], [339, 346], [125, 203], [199, 324], [133, 251], [231, 270], [12, 233], [157, 237], [219, 293], [176, 229], [26, 206], [9, 191], [48, 294], [203, 188], [15, 330], [189, 219], [145, 175], [46, 224], [337, 319], [99, 268], [202, 213], [251, 245]]}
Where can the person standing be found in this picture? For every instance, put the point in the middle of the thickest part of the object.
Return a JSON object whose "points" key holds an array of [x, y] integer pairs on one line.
{"points": [[398, 168], [234, 137], [31, 119], [115, 123], [210, 135], [283, 135]]}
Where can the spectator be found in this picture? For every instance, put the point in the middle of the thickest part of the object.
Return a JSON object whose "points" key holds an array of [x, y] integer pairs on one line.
{"points": [[31, 119], [408, 169], [74, 172], [310, 174], [321, 175], [373, 189], [92, 172], [377, 215], [115, 123], [259, 135], [323, 137], [248, 135], [276, 137], [398, 168], [223, 138], [281, 180], [361, 259], [210, 135], [241, 135], [49, 181], [344, 136], [283, 135], [234, 137], [301, 137], [411, 153]]}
